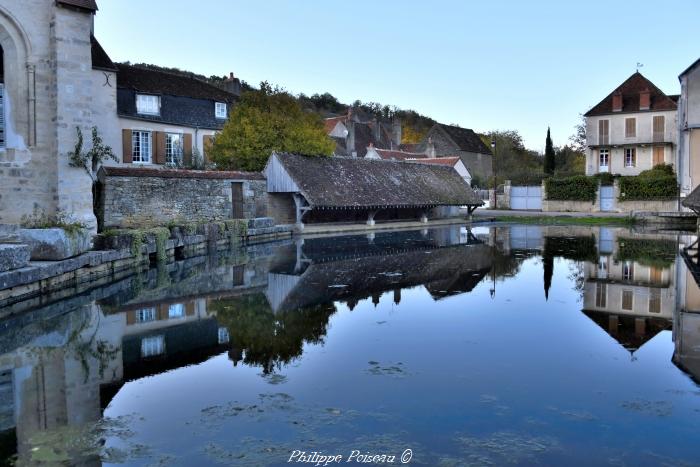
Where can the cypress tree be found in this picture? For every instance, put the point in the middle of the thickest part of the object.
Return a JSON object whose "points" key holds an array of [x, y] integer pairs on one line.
{"points": [[549, 162]]}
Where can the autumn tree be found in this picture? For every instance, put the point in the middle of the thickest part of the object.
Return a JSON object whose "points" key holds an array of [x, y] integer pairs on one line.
{"points": [[267, 120]]}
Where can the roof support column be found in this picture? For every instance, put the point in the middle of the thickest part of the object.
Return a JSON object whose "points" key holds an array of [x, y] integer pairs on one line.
{"points": [[370, 216], [424, 216], [301, 206]]}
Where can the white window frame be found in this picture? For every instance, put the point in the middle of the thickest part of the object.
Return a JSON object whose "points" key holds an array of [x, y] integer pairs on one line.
{"points": [[174, 157], [220, 110], [630, 157], [152, 346], [223, 335], [628, 271], [141, 144], [603, 167], [147, 104], [145, 315]]}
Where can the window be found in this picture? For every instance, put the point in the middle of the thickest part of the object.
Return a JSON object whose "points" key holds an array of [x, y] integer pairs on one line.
{"points": [[141, 146], [147, 104], [630, 127], [654, 301], [223, 335], [603, 131], [630, 157], [601, 295], [220, 110], [628, 271], [658, 130], [152, 346], [145, 315], [627, 300], [604, 156], [176, 310], [173, 148]]}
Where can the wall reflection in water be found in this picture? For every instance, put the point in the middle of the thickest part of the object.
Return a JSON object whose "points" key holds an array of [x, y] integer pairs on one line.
{"points": [[62, 364]]}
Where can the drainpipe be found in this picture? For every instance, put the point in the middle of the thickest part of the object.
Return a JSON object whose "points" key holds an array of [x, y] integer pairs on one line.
{"points": [[31, 105], [196, 133]]}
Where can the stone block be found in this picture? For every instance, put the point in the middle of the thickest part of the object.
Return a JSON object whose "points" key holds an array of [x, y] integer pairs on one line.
{"points": [[261, 223], [9, 233], [13, 256], [55, 244]]}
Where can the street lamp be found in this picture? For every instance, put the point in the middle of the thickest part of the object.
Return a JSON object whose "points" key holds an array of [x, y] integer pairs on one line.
{"points": [[495, 174]]}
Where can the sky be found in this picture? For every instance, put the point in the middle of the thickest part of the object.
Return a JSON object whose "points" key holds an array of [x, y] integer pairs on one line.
{"points": [[486, 65]]}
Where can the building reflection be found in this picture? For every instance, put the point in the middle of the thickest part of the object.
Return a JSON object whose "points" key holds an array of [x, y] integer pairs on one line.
{"points": [[686, 323]]}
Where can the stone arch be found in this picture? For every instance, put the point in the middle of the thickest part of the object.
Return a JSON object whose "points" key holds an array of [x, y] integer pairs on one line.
{"points": [[18, 83]]}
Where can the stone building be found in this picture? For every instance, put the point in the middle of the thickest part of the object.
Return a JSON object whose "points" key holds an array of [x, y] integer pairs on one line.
{"points": [[167, 115], [354, 133], [448, 141], [632, 129], [51, 84]]}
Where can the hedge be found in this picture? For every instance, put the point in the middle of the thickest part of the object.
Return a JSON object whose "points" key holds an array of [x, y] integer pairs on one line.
{"points": [[659, 187], [578, 188], [647, 252]]}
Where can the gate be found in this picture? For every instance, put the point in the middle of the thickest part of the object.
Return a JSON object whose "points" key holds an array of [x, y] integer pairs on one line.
{"points": [[526, 197], [607, 201], [237, 200]]}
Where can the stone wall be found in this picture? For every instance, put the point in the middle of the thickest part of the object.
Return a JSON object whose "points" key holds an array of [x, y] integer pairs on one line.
{"points": [[139, 197], [281, 208]]}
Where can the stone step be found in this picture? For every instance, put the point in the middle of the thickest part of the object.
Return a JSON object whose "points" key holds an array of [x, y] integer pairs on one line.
{"points": [[9, 233], [13, 256], [261, 223]]}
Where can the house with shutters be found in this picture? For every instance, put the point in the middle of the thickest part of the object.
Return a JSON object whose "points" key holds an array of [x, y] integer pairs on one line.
{"points": [[632, 129], [169, 117], [689, 130]]}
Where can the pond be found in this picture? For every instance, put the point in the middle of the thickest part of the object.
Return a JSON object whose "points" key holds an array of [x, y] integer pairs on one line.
{"points": [[514, 345]]}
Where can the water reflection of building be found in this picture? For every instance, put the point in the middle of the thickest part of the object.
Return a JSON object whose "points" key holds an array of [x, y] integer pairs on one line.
{"points": [[630, 290], [686, 324]]}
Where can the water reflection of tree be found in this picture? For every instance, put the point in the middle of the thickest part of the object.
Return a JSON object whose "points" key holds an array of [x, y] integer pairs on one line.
{"points": [[270, 340], [577, 249]]}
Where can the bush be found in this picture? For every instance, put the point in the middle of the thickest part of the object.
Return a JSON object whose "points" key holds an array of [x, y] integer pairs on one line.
{"points": [[649, 185], [647, 252], [605, 178], [578, 188], [659, 171]]}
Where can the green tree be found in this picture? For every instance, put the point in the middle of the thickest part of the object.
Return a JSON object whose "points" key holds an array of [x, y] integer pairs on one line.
{"points": [[549, 157], [268, 120]]}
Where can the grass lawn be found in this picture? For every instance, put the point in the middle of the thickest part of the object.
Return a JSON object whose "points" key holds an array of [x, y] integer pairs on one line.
{"points": [[567, 220]]}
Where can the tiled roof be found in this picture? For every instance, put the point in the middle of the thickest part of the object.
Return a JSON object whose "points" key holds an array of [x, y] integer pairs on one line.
{"points": [[90, 5], [330, 123], [389, 154], [152, 81], [342, 182], [140, 171], [630, 90], [465, 139], [100, 59], [692, 201], [448, 161]]}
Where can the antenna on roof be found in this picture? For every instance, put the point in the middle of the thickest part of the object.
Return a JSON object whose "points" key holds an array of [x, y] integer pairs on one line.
{"points": [[639, 65]]}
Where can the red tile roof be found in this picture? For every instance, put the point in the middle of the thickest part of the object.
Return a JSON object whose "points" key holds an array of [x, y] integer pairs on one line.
{"points": [[90, 5], [630, 91], [331, 122], [389, 154], [449, 161], [140, 171]]}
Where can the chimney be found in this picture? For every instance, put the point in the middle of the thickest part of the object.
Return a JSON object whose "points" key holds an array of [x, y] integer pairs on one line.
{"points": [[617, 102], [430, 150], [377, 126], [396, 132], [645, 99], [232, 85], [350, 138]]}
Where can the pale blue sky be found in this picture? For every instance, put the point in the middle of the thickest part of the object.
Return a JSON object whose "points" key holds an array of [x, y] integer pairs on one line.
{"points": [[484, 65]]}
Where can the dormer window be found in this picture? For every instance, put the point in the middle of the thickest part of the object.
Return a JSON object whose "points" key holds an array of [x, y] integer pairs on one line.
{"points": [[220, 110], [147, 104]]}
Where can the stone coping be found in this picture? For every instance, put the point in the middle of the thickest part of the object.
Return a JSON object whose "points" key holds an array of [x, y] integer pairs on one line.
{"points": [[143, 171]]}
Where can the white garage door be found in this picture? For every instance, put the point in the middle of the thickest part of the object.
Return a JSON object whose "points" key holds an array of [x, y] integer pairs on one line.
{"points": [[526, 197]]}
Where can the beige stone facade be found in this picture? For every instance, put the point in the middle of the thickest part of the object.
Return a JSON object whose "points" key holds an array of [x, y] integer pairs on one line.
{"points": [[50, 89]]}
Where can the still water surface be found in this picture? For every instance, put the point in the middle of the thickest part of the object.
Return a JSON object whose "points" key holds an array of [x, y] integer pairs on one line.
{"points": [[492, 346]]}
